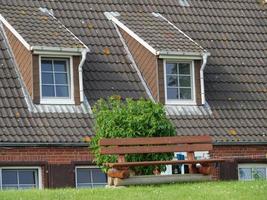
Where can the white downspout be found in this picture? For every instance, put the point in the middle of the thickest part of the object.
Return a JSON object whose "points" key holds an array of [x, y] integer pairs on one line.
{"points": [[205, 57], [80, 69]]}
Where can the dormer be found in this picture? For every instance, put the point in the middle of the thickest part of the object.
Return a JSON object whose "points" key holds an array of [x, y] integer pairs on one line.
{"points": [[48, 55], [170, 62]]}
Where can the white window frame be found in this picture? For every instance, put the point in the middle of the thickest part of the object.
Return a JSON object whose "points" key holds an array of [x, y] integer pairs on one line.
{"points": [[251, 166], [84, 167], [180, 102], [57, 100], [39, 169]]}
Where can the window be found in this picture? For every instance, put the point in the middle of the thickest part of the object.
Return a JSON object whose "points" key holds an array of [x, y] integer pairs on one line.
{"points": [[179, 82], [21, 178], [90, 177], [252, 171], [56, 80]]}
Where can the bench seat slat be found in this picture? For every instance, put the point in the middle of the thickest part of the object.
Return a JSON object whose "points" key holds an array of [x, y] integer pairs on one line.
{"points": [[170, 162], [155, 140], [116, 150]]}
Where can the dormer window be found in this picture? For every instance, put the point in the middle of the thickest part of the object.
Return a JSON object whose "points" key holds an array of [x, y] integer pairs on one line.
{"points": [[56, 80], [179, 82]]}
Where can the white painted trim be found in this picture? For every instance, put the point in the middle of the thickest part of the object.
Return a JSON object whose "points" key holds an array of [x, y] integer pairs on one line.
{"points": [[110, 16], [57, 53], [56, 49], [80, 71], [173, 57], [39, 169], [134, 65], [181, 53], [56, 100], [202, 83], [181, 102], [17, 35], [83, 167], [250, 166]]}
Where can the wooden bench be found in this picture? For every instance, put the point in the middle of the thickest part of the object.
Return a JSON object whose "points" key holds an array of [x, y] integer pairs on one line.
{"points": [[124, 146]]}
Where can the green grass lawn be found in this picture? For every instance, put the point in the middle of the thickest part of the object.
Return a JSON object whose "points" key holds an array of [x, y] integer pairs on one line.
{"points": [[252, 190]]}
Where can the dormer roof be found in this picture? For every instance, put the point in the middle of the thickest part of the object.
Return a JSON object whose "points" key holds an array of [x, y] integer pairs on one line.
{"points": [[156, 33], [38, 29]]}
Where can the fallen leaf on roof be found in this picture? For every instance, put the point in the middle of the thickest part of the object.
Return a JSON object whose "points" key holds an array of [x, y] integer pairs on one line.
{"points": [[44, 18], [232, 131], [17, 114], [106, 51], [87, 139], [90, 26]]}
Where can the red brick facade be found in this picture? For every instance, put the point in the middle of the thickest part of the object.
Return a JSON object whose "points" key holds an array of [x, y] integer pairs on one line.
{"points": [[234, 155], [61, 161], [53, 161], [52, 155], [240, 152]]}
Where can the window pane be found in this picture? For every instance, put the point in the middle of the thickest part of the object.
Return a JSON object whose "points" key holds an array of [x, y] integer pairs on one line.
{"points": [[172, 81], [61, 78], [62, 91], [171, 68], [185, 93], [46, 65], [83, 176], [27, 177], [48, 91], [184, 68], [172, 93], [245, 173], [184, 81], [259, 173], [98, 176], [47, 78], [9, 177], [60, 65]]}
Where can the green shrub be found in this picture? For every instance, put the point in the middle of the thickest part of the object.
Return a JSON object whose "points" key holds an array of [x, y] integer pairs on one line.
{"points": [[128, 119]]}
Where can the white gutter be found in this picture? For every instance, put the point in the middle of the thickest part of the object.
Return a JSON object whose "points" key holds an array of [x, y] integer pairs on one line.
{"points": [[205, 57], [80, 69], [57, 49]]}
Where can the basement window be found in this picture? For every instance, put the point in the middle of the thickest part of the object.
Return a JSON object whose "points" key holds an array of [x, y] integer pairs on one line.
{"points": [[20, 178], [179, 82], [90, 177], [56, 80], [252, 172]]}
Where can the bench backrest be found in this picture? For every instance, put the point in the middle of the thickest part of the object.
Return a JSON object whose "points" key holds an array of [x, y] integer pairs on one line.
{"points": [[121, 146]]}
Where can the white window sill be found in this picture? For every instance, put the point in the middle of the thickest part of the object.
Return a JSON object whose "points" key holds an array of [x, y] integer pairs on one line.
{"points": [[57, 101], [181, 103]]}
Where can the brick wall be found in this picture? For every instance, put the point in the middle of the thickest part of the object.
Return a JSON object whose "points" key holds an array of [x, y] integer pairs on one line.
{"points": [[56, 162], [51, 155], [240, 152], [235, 155], [60, 161]]}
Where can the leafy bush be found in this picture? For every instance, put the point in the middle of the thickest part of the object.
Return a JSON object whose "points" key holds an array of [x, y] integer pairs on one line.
{"points": [[128, 119]]}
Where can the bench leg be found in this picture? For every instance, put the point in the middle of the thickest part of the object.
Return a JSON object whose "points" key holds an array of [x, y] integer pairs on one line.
{"points": [[110, 181]]}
